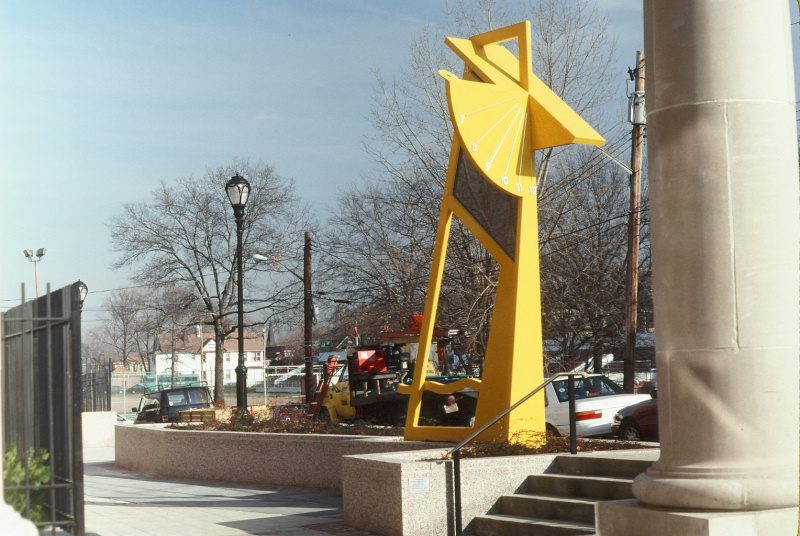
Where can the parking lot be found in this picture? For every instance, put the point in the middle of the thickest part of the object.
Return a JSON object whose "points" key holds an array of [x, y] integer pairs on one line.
{"points": [[123, 402]]}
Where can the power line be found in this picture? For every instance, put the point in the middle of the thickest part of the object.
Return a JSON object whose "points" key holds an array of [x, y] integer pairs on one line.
{"points": [[366, 288], [576, 231], [577, 177], [594, 162]]}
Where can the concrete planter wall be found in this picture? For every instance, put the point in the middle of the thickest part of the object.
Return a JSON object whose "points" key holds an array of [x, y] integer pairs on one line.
{"points": [[408, 493], [98, 428], [389, 487], [313, 461]]}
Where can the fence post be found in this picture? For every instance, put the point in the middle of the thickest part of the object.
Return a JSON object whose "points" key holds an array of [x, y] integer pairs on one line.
{"points": [[94, 392]]}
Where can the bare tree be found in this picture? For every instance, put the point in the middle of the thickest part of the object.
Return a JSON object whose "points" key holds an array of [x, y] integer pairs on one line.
{"points": [[133, 319], [176, 312], [95, 354], [583, 259], [377, 250], [169, 312], [118, 331], [186, 235]]}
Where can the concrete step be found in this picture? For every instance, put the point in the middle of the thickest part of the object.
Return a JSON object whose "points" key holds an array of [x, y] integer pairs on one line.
{"points": [[506, 525], [547, 507], [597, 466], [602, 488]]}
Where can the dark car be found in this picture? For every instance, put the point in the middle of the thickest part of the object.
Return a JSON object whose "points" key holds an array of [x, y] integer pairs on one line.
{"points": [[638, 422], [164, 405]]}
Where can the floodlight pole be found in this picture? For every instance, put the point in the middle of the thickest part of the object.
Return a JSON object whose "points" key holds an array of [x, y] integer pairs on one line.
{"points": [[35, 259]]}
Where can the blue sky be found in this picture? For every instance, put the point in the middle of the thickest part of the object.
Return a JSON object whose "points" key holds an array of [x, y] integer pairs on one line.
{"points": [[102, 100]]}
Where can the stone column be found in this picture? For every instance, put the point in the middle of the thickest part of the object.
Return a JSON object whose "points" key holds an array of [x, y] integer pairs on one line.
{"points": [[725, 228]]}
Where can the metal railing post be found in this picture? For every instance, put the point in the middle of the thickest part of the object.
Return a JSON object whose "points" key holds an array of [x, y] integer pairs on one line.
{"points": [[573, 427], [457, 490], [455, 452]]}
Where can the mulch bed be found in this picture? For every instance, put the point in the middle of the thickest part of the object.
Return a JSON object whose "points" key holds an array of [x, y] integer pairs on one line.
{"points": [[298, 424], [550, 445]]}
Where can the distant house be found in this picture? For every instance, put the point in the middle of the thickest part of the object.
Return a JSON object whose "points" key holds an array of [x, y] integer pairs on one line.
{"points": [[182, 353]]}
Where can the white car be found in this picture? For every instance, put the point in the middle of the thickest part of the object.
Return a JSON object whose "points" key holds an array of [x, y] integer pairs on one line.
{"points": [[597, 399], [125, 418]]}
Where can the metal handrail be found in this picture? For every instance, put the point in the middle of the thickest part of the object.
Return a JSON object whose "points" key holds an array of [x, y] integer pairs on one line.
{"points": [[455, 452]]}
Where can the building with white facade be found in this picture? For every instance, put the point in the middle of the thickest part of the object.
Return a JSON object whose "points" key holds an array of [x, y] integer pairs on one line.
{"points": [[189, 354]]}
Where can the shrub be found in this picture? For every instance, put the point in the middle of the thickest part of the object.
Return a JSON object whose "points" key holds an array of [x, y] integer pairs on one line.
{"points": [[38, 469]]}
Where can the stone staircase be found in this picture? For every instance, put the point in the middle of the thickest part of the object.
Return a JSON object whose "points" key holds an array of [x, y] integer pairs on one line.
{"points": [[561, 502]]}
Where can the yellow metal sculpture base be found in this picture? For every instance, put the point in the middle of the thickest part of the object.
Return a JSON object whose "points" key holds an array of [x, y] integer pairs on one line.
{"points": [[501, 114]]}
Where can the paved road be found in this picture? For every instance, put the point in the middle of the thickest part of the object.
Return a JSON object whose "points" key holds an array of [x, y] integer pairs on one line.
{"points": [[123, 503]]}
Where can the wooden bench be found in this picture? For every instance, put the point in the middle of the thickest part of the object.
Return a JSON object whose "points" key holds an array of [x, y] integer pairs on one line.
{"points": [[197, 415]]}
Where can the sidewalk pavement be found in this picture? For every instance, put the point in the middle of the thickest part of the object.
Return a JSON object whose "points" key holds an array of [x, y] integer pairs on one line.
{"points": [[123, 503]]}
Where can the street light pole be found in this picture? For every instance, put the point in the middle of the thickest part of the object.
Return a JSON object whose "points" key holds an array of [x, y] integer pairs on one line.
{"points": [[238, 190], [308, 320]]}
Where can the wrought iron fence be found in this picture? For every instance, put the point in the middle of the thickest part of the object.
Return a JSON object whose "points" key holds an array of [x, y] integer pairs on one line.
{"points": [[41, 408], [96, 391], [284, 379]]}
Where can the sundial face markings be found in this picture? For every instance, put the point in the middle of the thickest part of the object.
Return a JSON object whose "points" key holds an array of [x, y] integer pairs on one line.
{"points": [[533, 190], [522, 145], [485, 108], [505, 135], [519, 187], [491, 128], [520, 125]]}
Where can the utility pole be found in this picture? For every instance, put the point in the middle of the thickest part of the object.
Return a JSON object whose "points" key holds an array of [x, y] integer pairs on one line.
{"points": [[637, 118], [308, 319]]}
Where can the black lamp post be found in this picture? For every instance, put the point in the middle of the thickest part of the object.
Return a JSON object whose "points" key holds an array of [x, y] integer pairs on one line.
{"points": [[238, 190]]}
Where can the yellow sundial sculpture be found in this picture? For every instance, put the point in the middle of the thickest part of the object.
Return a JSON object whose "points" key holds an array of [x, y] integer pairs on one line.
{"points": [[501, 114]]}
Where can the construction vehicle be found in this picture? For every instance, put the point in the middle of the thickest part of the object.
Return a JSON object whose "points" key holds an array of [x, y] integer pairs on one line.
{"points": [[361, 387], [365, 386]]}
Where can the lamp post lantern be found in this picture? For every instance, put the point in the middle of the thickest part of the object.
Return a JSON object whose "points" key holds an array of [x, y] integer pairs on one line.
{"points": [[238, 190], [83, 290]]}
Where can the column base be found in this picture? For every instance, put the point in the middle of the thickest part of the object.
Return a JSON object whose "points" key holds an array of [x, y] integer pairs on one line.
{"points": [[716, 491], [624, 518], [12, 523]]}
